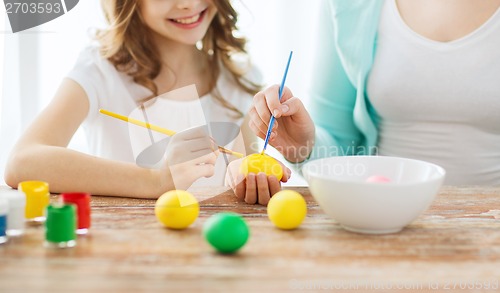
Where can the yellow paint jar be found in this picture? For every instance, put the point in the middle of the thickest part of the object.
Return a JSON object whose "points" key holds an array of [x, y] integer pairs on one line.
{"points": [[37, 199]]}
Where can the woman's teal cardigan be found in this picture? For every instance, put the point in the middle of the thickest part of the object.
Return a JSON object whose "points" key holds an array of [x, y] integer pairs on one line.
{"points": [[346, 124]]}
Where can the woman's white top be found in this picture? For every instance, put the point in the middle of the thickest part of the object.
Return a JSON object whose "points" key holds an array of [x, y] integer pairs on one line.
{"points": [[109, 89], [439, 102]]}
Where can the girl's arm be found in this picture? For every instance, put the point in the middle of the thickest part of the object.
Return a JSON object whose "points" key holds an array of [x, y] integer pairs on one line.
{"points": [[41, 154]]}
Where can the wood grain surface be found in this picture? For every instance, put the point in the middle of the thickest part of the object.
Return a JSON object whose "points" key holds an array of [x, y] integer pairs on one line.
{"points": [[454, 247]]}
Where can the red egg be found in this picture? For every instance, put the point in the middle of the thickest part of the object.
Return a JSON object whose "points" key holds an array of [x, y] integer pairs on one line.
{"points": [[378, 179]]}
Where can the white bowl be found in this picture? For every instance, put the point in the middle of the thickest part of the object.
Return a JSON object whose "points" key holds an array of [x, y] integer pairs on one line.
{"points": [[339, 185]]}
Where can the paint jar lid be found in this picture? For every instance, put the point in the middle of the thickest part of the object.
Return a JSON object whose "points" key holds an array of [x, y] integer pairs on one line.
{"points": [[4, 206], [16, 199], [34, 187], [60, 225]]}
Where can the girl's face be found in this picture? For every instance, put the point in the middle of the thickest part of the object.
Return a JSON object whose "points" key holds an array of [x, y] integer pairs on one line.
{"points": [[182, 21]]}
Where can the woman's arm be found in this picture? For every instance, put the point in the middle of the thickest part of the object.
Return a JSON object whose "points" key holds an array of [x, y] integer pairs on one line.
{"points": [[333, 95]]}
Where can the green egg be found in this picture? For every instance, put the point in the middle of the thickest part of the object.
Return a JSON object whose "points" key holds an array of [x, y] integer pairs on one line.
{"points": [[226, 232]]}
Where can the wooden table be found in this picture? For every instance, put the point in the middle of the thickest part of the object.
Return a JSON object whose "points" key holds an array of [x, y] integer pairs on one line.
{"points": [[455, 244]]}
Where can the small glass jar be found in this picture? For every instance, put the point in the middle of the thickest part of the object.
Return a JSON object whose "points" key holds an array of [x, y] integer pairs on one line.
{"points": [[82, 202], [4, 209], [15, 216], [60, 227], [37, 199]]}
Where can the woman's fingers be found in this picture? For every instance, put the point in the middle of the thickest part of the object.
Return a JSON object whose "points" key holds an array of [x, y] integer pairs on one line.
{"points": [[286, 172], [273, 100], [251, 189], [256, 188], [264, 103], [256, 125], [267, 103], [291, 107], [263, 189], [261, 107], [274, 185], [240, 188]]}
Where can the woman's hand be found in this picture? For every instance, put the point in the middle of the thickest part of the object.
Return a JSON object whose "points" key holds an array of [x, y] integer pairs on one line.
{"points": [[254, 188], [293, 130]]}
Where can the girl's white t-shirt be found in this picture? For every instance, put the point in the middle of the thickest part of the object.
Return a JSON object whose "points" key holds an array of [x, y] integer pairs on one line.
{"points": [[115, 91], [439, 102]]}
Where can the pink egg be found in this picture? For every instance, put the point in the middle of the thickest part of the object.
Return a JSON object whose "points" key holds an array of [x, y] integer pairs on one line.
{"points": [[378, 179]]}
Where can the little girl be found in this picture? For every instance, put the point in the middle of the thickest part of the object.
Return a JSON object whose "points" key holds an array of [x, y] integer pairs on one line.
{"points": [[151, 47]]}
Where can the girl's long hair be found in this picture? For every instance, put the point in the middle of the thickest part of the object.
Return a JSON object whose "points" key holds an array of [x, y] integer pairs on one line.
{"points": [[127, 44]]}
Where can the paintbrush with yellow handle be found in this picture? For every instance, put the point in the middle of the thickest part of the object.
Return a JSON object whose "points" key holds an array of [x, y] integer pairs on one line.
{"points": [[158, 129]]}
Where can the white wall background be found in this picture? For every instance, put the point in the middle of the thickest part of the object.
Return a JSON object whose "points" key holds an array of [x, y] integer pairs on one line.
{"points": [[34, 62]]}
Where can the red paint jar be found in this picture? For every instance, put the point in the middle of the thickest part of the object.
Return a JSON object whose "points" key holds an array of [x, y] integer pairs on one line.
{"points": [[82, 202]]}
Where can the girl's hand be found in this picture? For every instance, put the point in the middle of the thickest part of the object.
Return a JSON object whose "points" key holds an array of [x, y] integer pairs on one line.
{"points": [[255, 188], [293, 130], [190, 155]]}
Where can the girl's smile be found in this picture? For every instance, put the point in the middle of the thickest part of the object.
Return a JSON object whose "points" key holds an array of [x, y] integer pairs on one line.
{"points": [[189, 21], [183, 22]]}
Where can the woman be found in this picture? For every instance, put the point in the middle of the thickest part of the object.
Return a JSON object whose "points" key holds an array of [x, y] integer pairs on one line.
{"points": [[409, 78]]}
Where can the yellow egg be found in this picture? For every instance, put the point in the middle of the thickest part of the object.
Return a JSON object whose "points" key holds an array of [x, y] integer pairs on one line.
{"points": [[257, 163], [177, 209], [287, 209]]}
